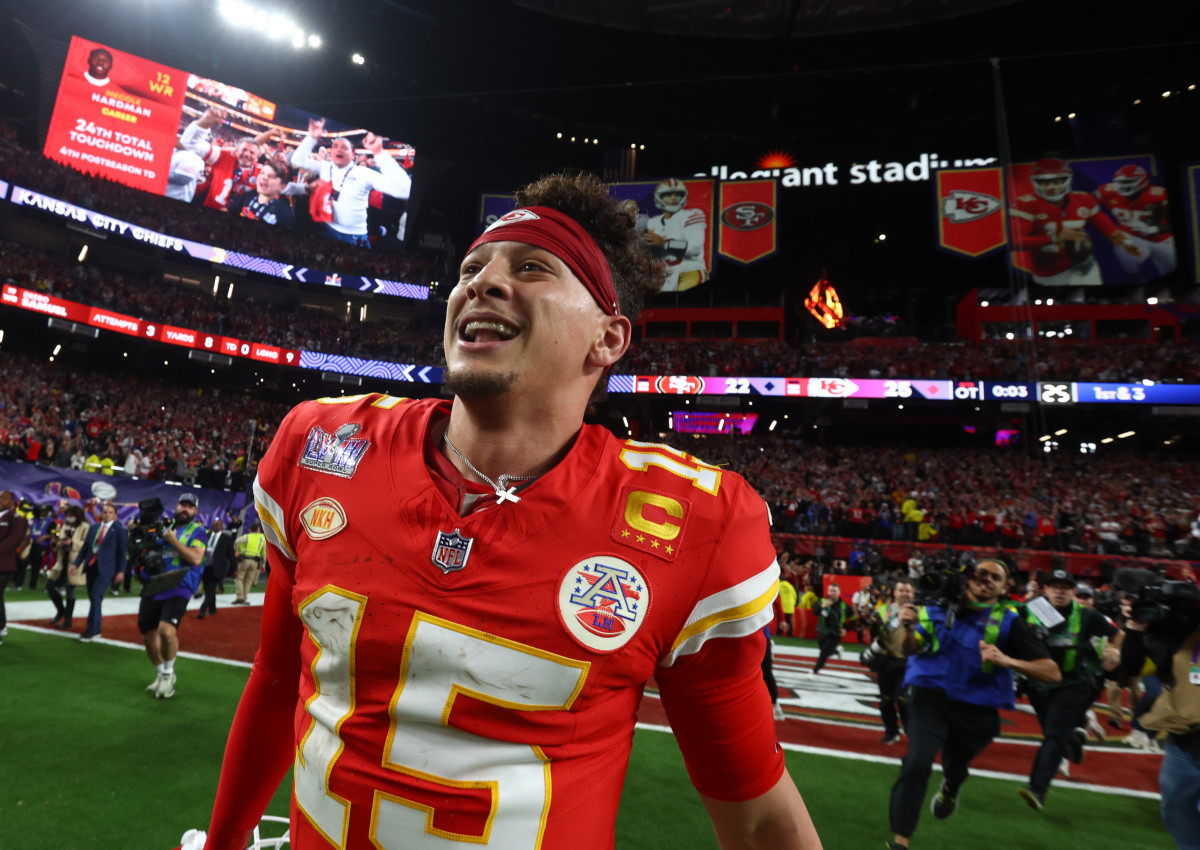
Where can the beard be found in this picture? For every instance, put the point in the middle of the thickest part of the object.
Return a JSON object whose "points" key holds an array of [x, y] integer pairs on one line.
{"points": [[478, 385], [181, 519]]}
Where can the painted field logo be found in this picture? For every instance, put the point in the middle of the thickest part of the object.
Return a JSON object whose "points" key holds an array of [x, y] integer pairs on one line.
{"points": [[960, 206], [603, 601], [748, 215], [323, 518]]}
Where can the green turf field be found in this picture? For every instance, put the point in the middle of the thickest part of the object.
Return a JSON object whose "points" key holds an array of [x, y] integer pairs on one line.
{"points": [[88, 760]]}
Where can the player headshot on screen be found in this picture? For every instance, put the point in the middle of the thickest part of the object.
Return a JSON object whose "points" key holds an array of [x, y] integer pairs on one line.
{"points": [[234, 170], [343, 200], [1140, 210], [676, 236], [1051, 226], [99, 63], [467, 596], [267, 205]]}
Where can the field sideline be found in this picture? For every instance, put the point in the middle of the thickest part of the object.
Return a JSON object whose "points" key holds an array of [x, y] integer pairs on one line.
{"points": [[83, 748]]}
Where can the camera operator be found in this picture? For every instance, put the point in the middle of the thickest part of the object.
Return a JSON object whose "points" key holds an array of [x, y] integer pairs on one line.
{"points": [[889, 663], [1170, 637], [1075, 635], [165, 597], [964, 653]]}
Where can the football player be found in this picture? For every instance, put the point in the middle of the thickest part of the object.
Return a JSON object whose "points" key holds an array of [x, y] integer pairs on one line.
{"points": [[234, 170], [1051, 226], [676, 236], [467, 597], [1140, 210]]}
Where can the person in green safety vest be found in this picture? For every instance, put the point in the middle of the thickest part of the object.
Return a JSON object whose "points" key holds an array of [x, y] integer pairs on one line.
{"points": [[1079, 639], [250, 549]]}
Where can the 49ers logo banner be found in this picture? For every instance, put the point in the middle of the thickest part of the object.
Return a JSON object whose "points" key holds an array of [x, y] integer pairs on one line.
{"points": [[747, 231], [971, 217]]}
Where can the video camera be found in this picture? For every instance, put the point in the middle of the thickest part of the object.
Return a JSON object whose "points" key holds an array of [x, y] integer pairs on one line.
{"points": [[145, 539], [1156, 599], [944, 578]]}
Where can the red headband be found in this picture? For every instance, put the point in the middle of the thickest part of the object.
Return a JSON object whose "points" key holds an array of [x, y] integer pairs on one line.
{"points": [[566, 239]]}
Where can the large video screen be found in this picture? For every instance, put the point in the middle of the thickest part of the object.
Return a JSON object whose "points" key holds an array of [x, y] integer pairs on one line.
{"points": [[205, 142]]}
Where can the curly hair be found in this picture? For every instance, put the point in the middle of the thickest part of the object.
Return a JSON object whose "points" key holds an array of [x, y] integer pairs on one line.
{"points": [[585, 198]]}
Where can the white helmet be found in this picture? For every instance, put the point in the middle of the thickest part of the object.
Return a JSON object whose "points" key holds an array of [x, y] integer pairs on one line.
{"points": [[670, 187], [195, 839]]}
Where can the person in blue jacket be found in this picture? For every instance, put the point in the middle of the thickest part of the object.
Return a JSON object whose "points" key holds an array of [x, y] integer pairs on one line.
{"points": [[960, 673]]}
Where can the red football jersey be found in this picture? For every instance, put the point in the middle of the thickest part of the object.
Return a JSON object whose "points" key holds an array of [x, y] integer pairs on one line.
{"points": [[1144, 215], [227, 179], [477, 678], [1037, 223]]}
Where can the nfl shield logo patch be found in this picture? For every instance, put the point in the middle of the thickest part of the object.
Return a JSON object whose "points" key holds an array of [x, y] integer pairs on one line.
{"points": [[450, 551]]}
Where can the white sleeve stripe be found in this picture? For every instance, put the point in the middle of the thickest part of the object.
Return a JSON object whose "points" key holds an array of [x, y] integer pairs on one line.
{"points": [[274, 526], [734, 612]]}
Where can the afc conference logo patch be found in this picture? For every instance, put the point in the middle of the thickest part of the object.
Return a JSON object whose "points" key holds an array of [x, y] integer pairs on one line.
{"points": [[338, 453], [323, 518], [450, 551], [603, 601]]}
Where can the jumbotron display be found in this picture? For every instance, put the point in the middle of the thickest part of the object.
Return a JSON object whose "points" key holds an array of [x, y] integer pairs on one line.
{"points": [[153, 127]]}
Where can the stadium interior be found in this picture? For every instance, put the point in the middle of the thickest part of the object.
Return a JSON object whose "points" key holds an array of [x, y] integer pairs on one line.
{"points": [[993, 390]]}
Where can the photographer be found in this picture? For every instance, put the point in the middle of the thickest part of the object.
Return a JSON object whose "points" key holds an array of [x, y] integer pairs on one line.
{"points": [[165, 596], [888, 663], [1076, 636], [1169, 635], [964, 653]]}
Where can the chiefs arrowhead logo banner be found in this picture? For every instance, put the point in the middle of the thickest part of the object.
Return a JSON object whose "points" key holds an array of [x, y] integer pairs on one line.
{"points": [[971, 217], [747, 230]]}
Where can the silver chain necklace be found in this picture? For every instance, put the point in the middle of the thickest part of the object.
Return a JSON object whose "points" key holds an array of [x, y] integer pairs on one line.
{"points": [[504, 493]]}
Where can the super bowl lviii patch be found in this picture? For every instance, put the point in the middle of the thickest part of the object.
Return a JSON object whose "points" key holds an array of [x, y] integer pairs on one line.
{"points": [[603, 601], [323, 518], [338, 453]]}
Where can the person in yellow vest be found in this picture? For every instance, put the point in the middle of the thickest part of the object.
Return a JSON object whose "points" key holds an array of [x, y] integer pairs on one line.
{"points": [[787, 603], [1073, 633], [249, 549]]}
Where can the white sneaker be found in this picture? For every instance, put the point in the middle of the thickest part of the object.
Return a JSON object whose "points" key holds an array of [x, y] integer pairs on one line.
{"points": [[1137, 739], [779, 715], [1064, 768], [811, 674], [152, 688], [1093, 726], [4, 632], [838, 653], [166, 687]]}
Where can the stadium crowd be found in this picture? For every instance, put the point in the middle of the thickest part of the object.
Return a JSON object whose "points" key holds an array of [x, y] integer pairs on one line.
{"points": [[1113, 502], [170, 303], [99, 422]]}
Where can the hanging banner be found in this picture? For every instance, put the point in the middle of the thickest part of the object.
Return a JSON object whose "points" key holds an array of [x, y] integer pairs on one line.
{"points": [[747, 231], [971, 218], [1091, 222]]}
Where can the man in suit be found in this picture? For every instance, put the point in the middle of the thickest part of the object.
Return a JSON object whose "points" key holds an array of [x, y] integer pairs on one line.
{"points": [[12, 534], [103, 560], [220, 553]]}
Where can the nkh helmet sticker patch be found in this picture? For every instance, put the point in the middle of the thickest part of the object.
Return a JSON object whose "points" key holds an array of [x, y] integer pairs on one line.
{"points": [[450, 551], [514, 216], [603, 601], [323, 518], [338, 453]]}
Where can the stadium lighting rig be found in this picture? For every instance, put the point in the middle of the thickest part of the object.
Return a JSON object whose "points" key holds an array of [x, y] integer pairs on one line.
{"points": [[277, 25]]}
